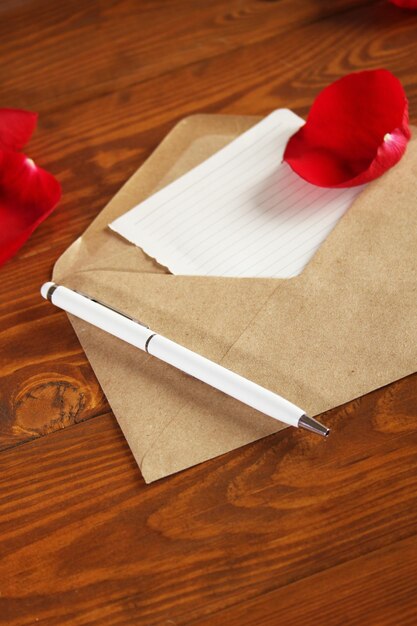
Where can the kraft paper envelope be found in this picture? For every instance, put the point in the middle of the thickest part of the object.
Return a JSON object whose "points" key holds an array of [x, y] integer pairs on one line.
{"points": [[345, 326]]}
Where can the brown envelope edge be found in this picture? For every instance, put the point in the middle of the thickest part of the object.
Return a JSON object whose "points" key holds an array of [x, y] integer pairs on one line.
{"points": [[342, 328]]}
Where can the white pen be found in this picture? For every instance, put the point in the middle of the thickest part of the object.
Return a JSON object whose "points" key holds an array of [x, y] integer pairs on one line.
{"points": [[137, 334]]}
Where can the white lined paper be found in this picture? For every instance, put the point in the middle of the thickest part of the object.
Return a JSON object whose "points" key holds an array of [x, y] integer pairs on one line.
{"points": [[242, 212]]}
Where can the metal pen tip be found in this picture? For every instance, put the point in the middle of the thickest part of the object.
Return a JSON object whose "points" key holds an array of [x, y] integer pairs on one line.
{"points": [[309, 423]]}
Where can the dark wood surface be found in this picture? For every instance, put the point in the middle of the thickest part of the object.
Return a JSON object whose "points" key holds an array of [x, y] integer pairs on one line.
{"points": [[284, 531]]}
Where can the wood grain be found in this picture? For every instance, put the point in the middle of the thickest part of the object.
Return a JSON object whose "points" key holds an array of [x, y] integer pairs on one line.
{"points": [[366, 585], [84, 540], [282, 531], [93, 48]]}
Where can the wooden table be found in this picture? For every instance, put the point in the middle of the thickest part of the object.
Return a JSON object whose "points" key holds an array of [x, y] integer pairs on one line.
{"points": [[280, 532]]}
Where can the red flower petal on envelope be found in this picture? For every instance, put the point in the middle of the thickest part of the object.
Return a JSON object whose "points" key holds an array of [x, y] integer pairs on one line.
{"points": [[28, 194], [405, 4], [356, 130], [16, 128]]}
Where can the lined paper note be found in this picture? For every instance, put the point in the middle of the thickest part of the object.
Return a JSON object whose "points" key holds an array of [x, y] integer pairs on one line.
{"points": [[242, 212]]}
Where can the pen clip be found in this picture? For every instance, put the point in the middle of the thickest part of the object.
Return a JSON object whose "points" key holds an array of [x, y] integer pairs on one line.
{"points": [[112, 308]]}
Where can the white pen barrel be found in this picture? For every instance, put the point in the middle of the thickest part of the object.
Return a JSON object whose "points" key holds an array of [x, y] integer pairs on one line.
{"points": [[103, 317], [136, 334], [225, 380]]}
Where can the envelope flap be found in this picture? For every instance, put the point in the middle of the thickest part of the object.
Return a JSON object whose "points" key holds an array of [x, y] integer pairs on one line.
{"points": [[98, 246]]}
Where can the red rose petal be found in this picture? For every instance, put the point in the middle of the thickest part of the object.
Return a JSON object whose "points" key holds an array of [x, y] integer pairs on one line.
{"points": [[28, 194], [16, 128], [405, 4], [356, 130]]}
